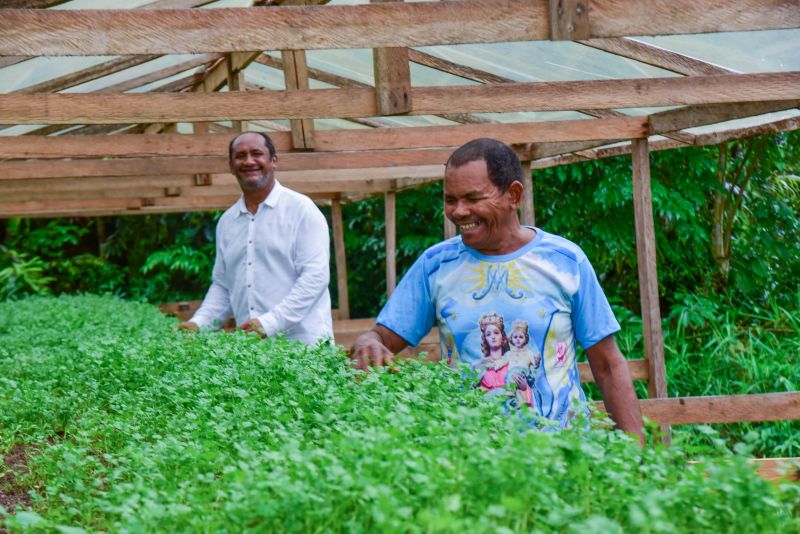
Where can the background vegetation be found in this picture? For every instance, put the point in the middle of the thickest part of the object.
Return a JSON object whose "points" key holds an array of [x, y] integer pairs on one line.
{"points": [[727, 226]]}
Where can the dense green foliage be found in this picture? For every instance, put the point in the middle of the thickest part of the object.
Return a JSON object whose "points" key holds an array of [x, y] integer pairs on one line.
{"points": [[132, 426]]}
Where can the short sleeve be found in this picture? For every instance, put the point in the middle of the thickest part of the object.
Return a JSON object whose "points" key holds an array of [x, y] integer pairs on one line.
{"points": [[592, 318], [409, 312]]}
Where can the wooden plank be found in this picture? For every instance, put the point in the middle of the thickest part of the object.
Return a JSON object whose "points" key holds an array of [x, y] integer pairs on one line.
{"points": [[778, 469], [616, 18], [346, 103], [176, 31], [139, 81], [392, 80], [716, 138], [608, 94], [339, 140], [12, 60], [638, 369], [569, 20], [119, 32], [390, 211], [527, 213], [723, 409], [234, 64], [454, 136], [295, 75], [392, 77], [648, 276], [340, 253], [687, 117], [85, 75], [657, 56]]}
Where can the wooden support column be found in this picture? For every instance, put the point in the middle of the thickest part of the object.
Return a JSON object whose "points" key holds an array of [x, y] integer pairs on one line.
{"points": [[341, 258], [295, 75], [390, 208], [527, 210], [449, 227], [236, 82], [569, 20], [648, 275], [392, 78]]}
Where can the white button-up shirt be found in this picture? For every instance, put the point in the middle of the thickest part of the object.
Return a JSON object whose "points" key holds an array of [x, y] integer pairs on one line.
{"points": [[272, 266]]}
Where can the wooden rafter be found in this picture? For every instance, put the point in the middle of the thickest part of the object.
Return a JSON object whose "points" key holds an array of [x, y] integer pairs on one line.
{"points": [[657, 56], [330, 140], [121, 32], [345, 103]]}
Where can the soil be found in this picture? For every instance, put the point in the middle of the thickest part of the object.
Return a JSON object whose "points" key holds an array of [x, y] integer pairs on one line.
{"points": [[11, 493]]}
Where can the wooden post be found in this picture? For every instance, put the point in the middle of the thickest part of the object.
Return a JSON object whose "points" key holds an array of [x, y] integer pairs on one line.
{"points": [[295, 75], [235, 83], [392, 78], [527, 211], [390, 207], [449, 227], [648, 276], [341, 258]]}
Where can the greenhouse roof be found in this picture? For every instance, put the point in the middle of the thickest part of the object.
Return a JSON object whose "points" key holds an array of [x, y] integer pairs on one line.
{"points": [[559, 88]]}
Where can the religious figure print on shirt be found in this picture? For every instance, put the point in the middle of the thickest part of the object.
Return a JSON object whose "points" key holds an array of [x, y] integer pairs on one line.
{"points": [[512, 320]]}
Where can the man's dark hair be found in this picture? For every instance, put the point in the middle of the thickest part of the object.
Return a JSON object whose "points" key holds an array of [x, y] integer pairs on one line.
{"points": [[267, 142], [502, 163]]}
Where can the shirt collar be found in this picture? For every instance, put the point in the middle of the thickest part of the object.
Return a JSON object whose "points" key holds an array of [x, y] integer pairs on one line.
{"points": [[271, 200]]}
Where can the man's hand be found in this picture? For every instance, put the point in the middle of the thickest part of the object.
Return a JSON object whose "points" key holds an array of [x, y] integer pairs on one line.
{"points": [[253, 325], [189, 326], [376, 348]]}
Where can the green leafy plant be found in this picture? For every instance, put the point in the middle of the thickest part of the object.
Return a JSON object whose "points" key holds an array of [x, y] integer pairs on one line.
{"points": [[133, 426]]}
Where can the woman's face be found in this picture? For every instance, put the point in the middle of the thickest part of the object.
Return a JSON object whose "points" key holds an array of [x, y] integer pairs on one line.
{"points": [[493, 336], [518, 339]]}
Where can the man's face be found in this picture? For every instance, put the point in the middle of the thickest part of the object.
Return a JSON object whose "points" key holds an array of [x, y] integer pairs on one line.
{"points": [[485, 216], [252, 164]]}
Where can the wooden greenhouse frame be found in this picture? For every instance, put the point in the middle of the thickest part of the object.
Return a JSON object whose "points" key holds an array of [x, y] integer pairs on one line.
{"points": [[114, 152]]}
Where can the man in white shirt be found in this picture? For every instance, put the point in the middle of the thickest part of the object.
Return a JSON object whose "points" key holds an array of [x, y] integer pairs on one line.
{"points": [[271, 270]]}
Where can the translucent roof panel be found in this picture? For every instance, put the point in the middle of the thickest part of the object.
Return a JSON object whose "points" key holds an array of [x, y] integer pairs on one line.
{"points": [[542, 61], [757, 51]]}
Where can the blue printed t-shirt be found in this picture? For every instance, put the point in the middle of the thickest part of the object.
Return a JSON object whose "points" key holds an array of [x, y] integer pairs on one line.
{"points": [[531, 305]]}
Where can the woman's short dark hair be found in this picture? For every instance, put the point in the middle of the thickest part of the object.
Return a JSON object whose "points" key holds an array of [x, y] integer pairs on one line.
{"points": [[267, 141], [502, 163]]}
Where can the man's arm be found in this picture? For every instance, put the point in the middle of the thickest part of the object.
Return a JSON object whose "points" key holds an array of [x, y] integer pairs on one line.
{"points": [[312, 262], [376, 347], [216, 307], [613, 377]]}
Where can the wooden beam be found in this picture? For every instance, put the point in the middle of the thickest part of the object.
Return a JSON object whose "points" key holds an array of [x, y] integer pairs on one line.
{"points": [[338, 140], [569, 20], [346, 103], [177, 31], [690, 116], [120, 32], [390, 211], [85, 75], [139, 81], [392, 80], [778, 469], [657, 56], [723, 409], [648, 277], [234, 64], [392, 77], [341, 258], [295, 75]]}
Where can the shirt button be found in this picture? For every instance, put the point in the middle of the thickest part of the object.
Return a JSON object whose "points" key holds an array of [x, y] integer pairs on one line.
{"points": [[252, 308], [251, 241], [248, 285]]}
